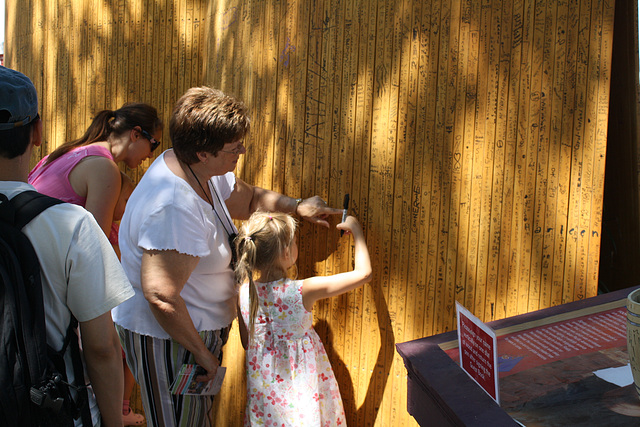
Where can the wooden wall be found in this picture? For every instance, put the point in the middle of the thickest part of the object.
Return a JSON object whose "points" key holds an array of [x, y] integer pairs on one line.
{"points": [[471, 136], [88, 55]]}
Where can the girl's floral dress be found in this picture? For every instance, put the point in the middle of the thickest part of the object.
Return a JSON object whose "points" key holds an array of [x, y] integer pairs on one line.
{"points": [[289, 378]]}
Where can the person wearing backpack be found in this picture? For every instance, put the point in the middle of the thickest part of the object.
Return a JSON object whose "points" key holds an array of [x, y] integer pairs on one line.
{"points": [[81, 276]]}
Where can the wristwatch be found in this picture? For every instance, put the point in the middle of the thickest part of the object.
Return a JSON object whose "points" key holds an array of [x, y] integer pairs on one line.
{"points": [[298, 201]]}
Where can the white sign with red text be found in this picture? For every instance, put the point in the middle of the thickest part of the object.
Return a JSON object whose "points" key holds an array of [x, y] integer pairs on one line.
{"points": [[478, 348]]}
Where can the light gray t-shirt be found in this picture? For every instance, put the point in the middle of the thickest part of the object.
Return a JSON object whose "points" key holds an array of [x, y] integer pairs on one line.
{"points": [[81, 273]]}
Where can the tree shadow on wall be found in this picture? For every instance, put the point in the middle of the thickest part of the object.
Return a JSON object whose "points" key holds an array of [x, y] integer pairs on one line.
{"points": [[381, 370], [339, 368]]}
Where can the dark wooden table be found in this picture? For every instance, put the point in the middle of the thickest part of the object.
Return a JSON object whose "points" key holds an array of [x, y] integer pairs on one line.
{"points": [[561, 390]]}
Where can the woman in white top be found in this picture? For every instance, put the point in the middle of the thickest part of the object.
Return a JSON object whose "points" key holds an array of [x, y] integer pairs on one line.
{"points": [[174, 239]]}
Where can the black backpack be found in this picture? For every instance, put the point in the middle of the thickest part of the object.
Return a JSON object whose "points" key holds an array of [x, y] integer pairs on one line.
{"points": [[40, 394]]}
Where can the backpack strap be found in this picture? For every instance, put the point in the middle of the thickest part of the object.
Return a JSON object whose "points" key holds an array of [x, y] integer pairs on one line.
{"points": [[14, 216], [78, 372], [29, 204], [82, 399]]}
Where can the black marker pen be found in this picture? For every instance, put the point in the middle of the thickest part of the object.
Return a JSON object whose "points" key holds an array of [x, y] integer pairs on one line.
{"points": [[345, 209]]}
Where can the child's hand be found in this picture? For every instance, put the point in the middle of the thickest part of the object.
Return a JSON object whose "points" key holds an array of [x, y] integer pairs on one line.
{"points": [[350, 225]]}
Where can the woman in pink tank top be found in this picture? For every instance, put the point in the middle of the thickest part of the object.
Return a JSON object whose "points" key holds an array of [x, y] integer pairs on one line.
{"points": [[85, 171]]}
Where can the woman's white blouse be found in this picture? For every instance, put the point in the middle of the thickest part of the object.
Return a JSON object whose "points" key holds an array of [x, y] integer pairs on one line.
{"points": [[165, 213]]}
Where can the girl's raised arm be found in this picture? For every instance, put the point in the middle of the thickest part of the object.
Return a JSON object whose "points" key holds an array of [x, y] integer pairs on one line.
{"points": [[319, 287]]}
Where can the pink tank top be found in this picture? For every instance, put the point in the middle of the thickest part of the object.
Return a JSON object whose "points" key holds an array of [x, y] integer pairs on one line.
{"points": [[53, 179]]}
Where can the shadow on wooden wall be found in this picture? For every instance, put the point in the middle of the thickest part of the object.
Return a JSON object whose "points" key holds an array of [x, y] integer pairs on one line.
{"points": [[470, 135], [620, 250]]}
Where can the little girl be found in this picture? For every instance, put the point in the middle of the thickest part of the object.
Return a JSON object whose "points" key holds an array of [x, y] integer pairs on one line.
{"points": [[289, 378]]}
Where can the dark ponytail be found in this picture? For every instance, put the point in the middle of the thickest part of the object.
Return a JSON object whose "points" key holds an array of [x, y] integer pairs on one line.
{"points": [[117, 121]]}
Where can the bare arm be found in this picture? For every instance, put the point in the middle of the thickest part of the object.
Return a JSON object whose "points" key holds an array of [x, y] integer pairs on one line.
{"points": [[98, 179], [101, 348], [163, 276], [246, 199], [319, 287]]}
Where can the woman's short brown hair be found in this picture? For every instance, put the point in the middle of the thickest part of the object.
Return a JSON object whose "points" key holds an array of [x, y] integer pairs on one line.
{"points": [[204, 120]]}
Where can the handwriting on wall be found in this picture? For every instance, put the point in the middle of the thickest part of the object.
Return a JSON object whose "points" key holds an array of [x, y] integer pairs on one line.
{"points": [[471, 137]]}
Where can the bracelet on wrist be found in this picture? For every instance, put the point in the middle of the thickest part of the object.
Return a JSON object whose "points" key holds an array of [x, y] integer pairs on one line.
{"points": [[298, 201]]}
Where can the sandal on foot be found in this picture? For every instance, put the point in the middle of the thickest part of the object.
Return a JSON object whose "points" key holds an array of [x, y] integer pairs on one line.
{"points": [[132, 419]]}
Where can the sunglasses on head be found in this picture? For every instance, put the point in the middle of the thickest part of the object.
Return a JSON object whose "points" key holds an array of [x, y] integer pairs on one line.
{"points": [[154, 142]]}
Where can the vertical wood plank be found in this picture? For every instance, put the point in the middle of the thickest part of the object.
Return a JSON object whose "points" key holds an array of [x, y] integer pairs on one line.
{"points": [[507, 290], [404, 150], [359, 206], [474, 153], [441, 173], [604, 82], [519, 254], [538, 158], [498, 256], [421, 190], [353, 335], [572, 260], [484, 125], [523, 194], [562, 262], [380, 215], [486, 117], [453, 164], [547, 155], [552, 225], [434, 160], [592, 76], [169, 93]]}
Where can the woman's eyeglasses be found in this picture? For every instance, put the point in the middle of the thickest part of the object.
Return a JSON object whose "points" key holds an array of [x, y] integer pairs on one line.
{"points": [[154, 142], [237, 150]]}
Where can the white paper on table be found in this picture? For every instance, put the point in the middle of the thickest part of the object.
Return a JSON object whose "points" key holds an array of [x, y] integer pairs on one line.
{"points": [[620, 376]]}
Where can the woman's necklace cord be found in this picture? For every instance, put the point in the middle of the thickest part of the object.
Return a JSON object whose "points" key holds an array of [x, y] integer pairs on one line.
{"points": [[202, 188], [231, 234]]}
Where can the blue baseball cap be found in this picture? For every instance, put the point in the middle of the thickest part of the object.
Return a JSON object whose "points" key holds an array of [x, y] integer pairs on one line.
{"points": [[17, 97]]}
